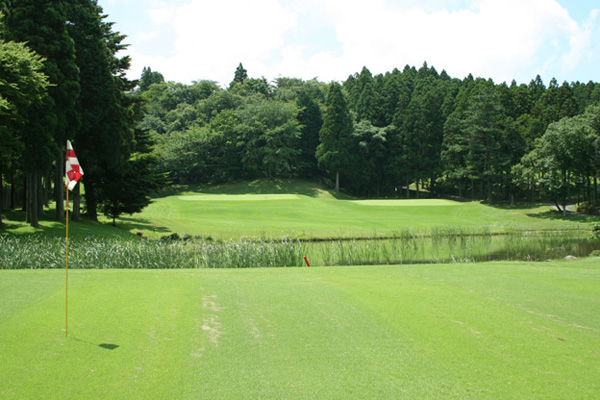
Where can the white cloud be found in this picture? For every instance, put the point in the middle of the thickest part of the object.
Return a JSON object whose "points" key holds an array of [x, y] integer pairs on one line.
{"points": [[210, 38], [499, 39]]}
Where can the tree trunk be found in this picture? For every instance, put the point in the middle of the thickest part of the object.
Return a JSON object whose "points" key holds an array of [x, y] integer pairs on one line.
{"points": [[91, 201], [59, 189], [407, 187], [337, 182], [532, 192], [588, 181], [13, 187], [473, 189], [557, 206], [25, 183], [595, 189], [1, 197], [48, 186], [76, 215], [39, 191], [489, 190], [32, 199], [418, 193]]}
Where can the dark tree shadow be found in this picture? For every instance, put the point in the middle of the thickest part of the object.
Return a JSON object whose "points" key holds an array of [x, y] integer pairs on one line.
{"points": [[138, 224], [570, 216], [516, 206], [14, 221]]}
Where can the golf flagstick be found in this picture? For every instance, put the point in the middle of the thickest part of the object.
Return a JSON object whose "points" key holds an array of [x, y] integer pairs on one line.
{"points": [[67, 269], [73, 172]]}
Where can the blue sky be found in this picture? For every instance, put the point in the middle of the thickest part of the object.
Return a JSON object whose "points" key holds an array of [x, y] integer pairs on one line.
{"points": [[188, 40]]}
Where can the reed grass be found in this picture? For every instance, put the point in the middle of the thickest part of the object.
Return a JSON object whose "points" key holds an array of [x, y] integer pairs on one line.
{"points": [[438, 246]]}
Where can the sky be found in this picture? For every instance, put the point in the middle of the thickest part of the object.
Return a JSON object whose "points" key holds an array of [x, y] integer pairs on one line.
{"points": [[192, 40]]}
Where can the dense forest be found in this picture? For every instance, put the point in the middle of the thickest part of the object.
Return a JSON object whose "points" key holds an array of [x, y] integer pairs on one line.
{"points": [[395, 134]]}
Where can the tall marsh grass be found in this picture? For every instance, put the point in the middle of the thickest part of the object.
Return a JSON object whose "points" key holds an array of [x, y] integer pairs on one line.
{"points": [[441, 245], [453, 246], [33, 252]]}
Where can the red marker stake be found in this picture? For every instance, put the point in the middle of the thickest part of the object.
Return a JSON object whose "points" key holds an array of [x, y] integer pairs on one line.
{"points": [[306, 259]]}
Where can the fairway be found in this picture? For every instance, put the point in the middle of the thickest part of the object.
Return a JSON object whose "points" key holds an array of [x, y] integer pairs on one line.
{"points": [[304, 210], [454, 331]]}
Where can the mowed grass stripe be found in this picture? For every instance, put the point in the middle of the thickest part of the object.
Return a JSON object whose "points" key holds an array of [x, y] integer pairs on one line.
{"points": [[474, 331]]}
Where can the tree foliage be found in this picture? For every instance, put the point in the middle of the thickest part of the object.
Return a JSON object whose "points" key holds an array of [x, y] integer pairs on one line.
{"points": [[335, 153], [399, 133]]}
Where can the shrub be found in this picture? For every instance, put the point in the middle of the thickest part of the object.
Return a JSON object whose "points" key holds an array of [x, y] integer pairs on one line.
{"points": [[589, 208], [596, 231]]}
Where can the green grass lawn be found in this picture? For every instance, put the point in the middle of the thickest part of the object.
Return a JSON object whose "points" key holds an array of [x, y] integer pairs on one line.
{"points": [[303, 210], [455, 331]]}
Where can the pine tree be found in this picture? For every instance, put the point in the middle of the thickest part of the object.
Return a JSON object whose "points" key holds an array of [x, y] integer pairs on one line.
{"points": [[310, 119], [128, 190], [483, 125], [364, 96], [335, 153], [43, 25], [240, 76], [103, 141]]}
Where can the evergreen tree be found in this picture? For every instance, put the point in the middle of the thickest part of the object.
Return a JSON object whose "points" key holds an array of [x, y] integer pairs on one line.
{"points": [[364, 96], [43, 25], [240, 76], [148, 78], [128, 190], [104, 140], [483, 126], [455, 142], [310, 119], [373, 152], [335, 153]]}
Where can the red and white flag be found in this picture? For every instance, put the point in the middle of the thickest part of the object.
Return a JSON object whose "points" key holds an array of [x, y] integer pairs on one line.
{"points": [[73, 171]]}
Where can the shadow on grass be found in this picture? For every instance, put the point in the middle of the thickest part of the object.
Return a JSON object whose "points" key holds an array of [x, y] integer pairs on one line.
{"points": [[570, 216], [15, 224], [515, 206], [107, 346], [138, 224]]}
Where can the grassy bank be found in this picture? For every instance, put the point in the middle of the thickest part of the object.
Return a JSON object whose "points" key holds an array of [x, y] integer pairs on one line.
{"points": [[303, 210], [469, 331]]}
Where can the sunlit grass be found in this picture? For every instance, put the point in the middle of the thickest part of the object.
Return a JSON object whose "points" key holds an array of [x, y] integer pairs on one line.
{"points": [[502, 330], [262, 209]]}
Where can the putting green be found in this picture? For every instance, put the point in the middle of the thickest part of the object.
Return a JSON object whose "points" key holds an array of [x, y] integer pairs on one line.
{"points": [[408, 202], [238, 197]]}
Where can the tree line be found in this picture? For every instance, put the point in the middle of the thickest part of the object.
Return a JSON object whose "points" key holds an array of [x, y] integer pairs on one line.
{"points": [[61, 78], [392, 134], [400, 133]]}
